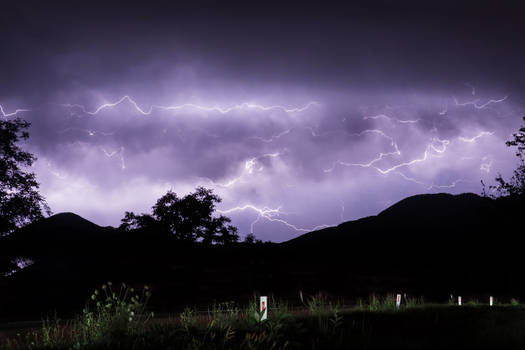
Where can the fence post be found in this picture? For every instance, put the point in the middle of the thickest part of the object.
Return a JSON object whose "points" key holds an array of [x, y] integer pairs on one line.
{"points": [[264, 308]]}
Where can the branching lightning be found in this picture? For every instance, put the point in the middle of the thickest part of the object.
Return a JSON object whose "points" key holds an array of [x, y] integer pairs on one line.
{"points": [[119, 153], [387, 162], [429, 186], [476, 103], [473, 139], [6, 115], [218, 109], [271, 215], [248, 169], [375, 160]]}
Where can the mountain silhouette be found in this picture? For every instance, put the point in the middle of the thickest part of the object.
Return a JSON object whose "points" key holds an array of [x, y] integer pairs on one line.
{"points": [[431, 245], [58, 234], [421, 217]]}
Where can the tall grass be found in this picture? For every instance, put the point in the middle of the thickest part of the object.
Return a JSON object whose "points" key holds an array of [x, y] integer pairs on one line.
{"points": [[109, 314], [117, 318]]}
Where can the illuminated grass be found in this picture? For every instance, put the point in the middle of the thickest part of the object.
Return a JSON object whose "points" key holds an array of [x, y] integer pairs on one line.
{"points": [[119, 320]]}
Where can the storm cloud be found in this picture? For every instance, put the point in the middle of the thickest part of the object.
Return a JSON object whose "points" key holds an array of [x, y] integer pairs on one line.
{"points": [[296, 118]]}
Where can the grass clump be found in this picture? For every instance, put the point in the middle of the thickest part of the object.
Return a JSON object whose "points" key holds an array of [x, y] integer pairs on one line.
{"points": [[109, 314], [113, 313], [118, 319]]}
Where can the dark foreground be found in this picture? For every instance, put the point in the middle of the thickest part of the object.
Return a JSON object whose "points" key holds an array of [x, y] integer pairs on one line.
{"points": [[431, 245], [417, 327]]}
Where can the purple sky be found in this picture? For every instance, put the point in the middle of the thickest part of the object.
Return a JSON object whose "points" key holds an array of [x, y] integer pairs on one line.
{"points": [[297, 119]]}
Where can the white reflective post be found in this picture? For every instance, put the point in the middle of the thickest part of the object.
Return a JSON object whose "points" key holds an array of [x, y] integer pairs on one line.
{"points": [[398, 300], [264, 308], [459, 301], [491, 301]]}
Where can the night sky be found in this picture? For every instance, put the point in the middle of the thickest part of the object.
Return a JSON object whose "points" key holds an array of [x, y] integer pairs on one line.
{"points": [[297, 115]]}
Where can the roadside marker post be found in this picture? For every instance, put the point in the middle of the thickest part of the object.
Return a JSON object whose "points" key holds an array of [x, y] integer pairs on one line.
{"points": [[459, 300], [491, 301], [398, 300], [264, 308]]}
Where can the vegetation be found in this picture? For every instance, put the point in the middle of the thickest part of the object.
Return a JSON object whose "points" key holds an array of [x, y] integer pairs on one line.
{"points": [[516, 185], [187, 219], [20, 202], [117, 319]]}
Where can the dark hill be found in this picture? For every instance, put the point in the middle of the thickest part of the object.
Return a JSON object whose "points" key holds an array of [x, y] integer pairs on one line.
{"points": [[62, 226], [441, 205], [58, 234], [430, 245], [426, 244], [421, 218]]}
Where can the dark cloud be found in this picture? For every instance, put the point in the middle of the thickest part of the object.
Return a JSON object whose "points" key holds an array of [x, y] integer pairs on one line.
{"points": [[410, 98]]}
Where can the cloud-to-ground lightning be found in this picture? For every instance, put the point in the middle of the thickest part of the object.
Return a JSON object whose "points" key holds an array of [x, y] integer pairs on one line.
{"points": [[270, 215], [222, 110], [386, 127], [6, 115]]}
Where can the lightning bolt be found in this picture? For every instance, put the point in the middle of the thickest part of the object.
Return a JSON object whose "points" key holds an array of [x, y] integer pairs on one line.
{"points": [[249, 167], [273, 137], [6, 115], [473, 139], [119, 153], [476, 104], [426, 155], [373, 161], [311, 129], [429, 186], [271, 215], [390, 119], [452, 185], [54, 172], [89, 132], [221, 110]]}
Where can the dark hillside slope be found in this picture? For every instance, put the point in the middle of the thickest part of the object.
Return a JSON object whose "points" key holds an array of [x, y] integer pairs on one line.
{"points": [[427, 243], [430, 245], [64, 233], [421, 217]]}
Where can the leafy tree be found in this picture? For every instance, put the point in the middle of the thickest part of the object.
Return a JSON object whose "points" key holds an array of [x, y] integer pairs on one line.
{"points": [[132, 222], [516, 185], [251, 239], [187, 219], [20, 202]]}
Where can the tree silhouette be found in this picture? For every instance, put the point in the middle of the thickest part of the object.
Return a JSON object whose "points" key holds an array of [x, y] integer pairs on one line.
{"points": [[20, 202], [187, 219], [251, 239], [516, 185]]}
